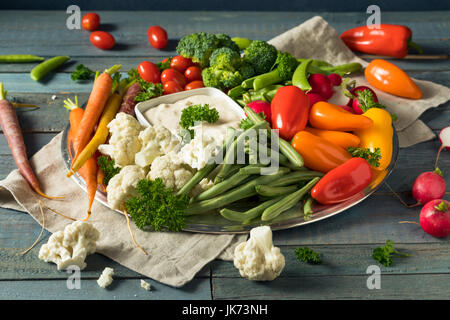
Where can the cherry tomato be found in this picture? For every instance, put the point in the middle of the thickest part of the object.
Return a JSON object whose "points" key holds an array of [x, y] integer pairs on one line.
{"points": [[149, 72], [172, 87], [157, 37], [173, 75], [102, 40], [90, 21], [180, 63], [193, 73], [194, 85]]}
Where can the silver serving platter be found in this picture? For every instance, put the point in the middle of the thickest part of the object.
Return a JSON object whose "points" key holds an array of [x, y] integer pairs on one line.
{"points": [[216, 224]]}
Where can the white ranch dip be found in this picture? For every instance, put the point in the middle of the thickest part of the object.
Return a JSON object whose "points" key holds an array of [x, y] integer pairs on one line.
{"points": [[169, 115]]}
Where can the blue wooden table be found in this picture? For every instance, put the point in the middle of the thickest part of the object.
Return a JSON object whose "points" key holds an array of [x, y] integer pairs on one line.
{"points": [[346, 240]]}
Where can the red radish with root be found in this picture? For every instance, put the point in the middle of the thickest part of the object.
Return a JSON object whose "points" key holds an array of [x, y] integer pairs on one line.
{"points": [[314, 98], [435, 218], [261, 106], [444, 138], [355, 103], [428, 186], [335, 79], [321, 84]]}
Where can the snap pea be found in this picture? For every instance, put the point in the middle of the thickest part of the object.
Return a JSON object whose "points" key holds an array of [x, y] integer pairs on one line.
{"points": [[244, 191], [242, 43], [45, 67], [19, 58], [287, 203], [300, 76], [236, 92], [343, 69], [296, 177], [269, 191], [248, 83], [249, 214]]}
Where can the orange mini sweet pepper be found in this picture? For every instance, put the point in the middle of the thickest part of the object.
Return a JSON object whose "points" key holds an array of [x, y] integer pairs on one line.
{"points": [[328, 116], [389, 78], [340, 138]]}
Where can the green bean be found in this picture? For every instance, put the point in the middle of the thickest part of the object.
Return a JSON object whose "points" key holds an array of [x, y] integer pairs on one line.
{"points": [[19, 58], [287, 203], [251, 169], [198, 176], [300, 78], [244, 191], [249, 214], [269, 191], [248, 83], [296, 177], [307, 208], [236, 92], [232, 150], [45, 67]]}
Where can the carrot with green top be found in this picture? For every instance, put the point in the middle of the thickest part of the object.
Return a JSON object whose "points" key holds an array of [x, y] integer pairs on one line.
{"points": [[94, 108]]}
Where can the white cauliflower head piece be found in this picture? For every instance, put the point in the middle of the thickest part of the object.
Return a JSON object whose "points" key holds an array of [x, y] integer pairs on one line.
{"points": [[71, 246], [199, 150], [156, 141], [257, 258], [123, 185]]}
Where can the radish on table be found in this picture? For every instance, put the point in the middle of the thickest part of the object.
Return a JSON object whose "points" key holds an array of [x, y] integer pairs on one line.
{"points": [[435, 218], [429, 186]]}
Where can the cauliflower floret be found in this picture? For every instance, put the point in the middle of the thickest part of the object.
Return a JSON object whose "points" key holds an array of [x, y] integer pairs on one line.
{"points": [[199, 150], [171, 170], [124, 141], [71, 246], [258, 259], [123, 185], [203, 185], [156, 141], [106, 278]]}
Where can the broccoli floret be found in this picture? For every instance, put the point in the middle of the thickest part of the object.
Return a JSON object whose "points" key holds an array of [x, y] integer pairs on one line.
{"points": [[261, 55], [211, 77], [285, 66], [230, 79], [221, 78], [198, 46], [246, 70], [225, 41], [225, 58]]}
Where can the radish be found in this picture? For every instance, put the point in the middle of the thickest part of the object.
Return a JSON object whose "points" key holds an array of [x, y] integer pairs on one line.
{"points": [[444, 138], [429, 186], [314, 98], [354, 103], [335, 79], [261, 106], [321, 84], [435, 218], [347, 108]]}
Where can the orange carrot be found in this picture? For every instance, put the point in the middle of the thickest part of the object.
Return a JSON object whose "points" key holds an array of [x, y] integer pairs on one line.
{"points": [[94, 108], [13, 134], [100, 179]]}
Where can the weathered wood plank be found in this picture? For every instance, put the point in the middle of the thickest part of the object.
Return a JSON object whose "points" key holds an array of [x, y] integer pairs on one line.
{"points": [[120, 289], [413, 286], [340, 260]]}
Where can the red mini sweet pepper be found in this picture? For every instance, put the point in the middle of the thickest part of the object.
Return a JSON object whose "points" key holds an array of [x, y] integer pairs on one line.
{"points": [[388, 40], [343, 182]]}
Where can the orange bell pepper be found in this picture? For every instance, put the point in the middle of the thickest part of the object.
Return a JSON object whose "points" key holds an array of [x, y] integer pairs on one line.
{"points": [[340, 138], [389, 78], [318, 153], [325, 115]]}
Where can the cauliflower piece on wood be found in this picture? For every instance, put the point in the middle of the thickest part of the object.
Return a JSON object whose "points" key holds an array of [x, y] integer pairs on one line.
{"points": [[258, 259], [171, 170], [156, 141], [124, 141], [71, 246], [106, 278], [123, 185]]}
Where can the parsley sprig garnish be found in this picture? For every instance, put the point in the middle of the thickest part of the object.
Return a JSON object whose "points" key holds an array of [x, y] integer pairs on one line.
{"points": [[308, 255], [157, 207], [384, 254], [372, 157], [367, 100], [148, 89], [108, 167], [196, 113]]}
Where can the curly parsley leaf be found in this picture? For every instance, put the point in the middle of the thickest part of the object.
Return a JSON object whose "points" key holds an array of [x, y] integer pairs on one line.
{"points": [[246, 123], [108, 167], [149, 90], [165, 64], [82, 73], [157, 207], [367, 100], [372, 157], [384, 254], [308, 255], [197, 113]]}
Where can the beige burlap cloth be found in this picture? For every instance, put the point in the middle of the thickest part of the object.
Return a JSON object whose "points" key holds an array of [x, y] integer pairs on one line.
{"points": [[175, 258]]}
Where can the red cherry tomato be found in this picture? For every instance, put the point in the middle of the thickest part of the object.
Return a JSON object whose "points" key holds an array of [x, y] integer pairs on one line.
{"points": [[102, 40], [172, 87], [149, 72], [173, 75], [90, 21], [180, 63], [194, 85], [157, 37], [193, 73]]}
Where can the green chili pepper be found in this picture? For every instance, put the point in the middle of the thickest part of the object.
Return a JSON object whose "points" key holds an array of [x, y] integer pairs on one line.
{"points": [[48, 65], [300, 76], [19, 58]]}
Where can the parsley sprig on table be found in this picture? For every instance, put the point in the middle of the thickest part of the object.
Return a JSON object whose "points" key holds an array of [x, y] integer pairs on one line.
{"points": [[157, 207], [308, 255], [196, 113], [82, 73], [372, 157], [108, 167], [384, 254]]}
